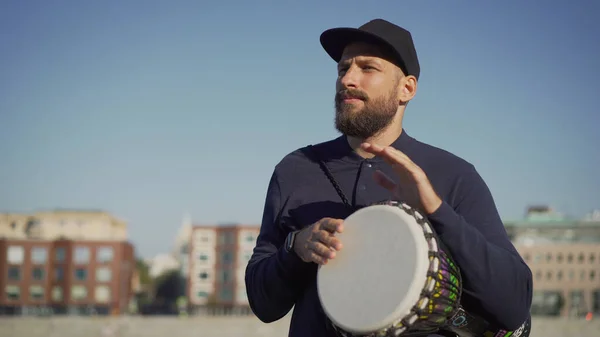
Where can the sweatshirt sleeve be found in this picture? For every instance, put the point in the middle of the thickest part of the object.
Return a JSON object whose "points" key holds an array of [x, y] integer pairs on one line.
{"points": [[494, 275], [274, 278]]}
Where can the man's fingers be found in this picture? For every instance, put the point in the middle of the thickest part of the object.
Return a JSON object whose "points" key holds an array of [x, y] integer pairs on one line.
{"points": [[329, 240], [372, 148], [379, 150], [332, 225], [319, 241], [402, 163], [321, 250], [397, 159], [316, 258]]}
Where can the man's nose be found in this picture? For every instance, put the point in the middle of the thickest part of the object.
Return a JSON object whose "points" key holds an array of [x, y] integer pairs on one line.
{"points": [[350, 78]]}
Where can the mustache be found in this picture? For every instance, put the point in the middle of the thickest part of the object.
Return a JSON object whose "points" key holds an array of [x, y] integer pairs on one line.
{"points": [[350, 93]]}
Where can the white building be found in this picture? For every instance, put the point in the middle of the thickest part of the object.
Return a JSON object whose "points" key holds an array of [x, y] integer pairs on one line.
{"points": [[218, 257]]}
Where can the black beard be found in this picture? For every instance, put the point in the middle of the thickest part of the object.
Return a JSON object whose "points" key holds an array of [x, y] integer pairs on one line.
{"points": [[374, 117]]}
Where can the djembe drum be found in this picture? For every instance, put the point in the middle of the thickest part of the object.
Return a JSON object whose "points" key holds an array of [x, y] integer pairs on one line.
{"points": [[394, 278]]}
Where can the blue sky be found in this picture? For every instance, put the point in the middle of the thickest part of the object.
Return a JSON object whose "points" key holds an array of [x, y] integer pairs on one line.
{"points": [[149, 109]]}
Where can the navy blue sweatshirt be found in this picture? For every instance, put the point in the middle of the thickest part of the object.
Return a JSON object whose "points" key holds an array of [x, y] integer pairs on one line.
{"points": [[497, 284]]}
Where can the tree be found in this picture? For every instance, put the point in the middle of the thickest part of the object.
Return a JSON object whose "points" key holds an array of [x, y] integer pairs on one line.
{"points": [[168, 286], [144, 272]]}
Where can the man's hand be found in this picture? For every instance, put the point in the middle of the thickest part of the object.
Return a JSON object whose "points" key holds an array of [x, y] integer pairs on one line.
{"points": [[414, 188], [317, 242]]}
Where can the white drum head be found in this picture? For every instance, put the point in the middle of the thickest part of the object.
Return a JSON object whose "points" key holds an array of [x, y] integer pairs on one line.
{"points": [[380, 272]]}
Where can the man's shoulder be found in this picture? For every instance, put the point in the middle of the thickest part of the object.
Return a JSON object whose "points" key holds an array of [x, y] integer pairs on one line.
{"points": [[304, 155], [440, 155], [301, 164], [433, 158], [451, 174]]}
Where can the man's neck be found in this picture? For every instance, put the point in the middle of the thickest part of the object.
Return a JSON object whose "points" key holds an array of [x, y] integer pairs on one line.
{"points": [[385, 138]]}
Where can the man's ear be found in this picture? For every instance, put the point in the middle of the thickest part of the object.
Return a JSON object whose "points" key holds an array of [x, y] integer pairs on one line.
{"points": [[408, 89]]}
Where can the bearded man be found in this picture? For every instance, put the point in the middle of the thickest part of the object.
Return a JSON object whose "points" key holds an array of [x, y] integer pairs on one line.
{"points": [[373, 160]]}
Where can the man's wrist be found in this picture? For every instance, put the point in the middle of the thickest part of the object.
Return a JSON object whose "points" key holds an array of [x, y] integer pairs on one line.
{"points": [[290, 242], [433, 205], [291, 264]]}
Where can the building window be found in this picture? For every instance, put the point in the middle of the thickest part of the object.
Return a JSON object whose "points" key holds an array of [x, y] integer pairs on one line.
{"points": [[102, 294], [592, 275], [59, 274], [104, 254], [226, 238], [13, 293], [203, 275], [559, 258], [592, 257], [78, 293], [570, 258], [227, 258], [14, 273], [80, 274], [201, 294], [202, 236], [36, 293], [250, 238], [82, 255], [226, 295], [57, 294], [559, 275], [581, 258], [225, 276], [103, 274], [39, 255], [576, 298], [37, 274], [15, 255], [60, 254], [203, 257]]}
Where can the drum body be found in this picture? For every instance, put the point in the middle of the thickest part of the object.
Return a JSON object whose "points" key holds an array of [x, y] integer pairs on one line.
{"points": [[465, 324], [391, 278]]}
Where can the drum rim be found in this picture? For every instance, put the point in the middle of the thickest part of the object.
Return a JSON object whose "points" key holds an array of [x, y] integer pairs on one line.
{"points": [[404, 307]]}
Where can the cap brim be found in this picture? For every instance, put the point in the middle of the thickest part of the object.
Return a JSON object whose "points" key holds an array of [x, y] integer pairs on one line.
{"points": [[336, 39]]}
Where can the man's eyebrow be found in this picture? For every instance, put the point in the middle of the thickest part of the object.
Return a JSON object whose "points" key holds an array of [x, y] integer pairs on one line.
{"points": [[343, 63], [361, 59]]}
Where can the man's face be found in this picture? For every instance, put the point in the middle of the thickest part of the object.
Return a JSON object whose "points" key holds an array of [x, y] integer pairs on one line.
{"points": [[367, 88]]}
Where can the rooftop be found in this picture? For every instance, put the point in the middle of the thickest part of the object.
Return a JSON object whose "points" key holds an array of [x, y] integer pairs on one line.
{"points": [[226, 225], [565, 223], [545, 217]]}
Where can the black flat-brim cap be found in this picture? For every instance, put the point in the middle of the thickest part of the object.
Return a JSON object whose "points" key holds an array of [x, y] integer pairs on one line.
{"points": [[397, 39]]}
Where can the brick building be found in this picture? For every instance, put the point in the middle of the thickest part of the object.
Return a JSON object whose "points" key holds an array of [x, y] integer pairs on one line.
{"points": [[65, 276], [95, 225], [564, 257], [218, 256]]}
